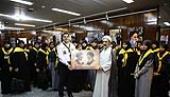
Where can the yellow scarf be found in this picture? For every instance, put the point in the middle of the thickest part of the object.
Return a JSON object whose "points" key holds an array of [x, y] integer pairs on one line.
{"points": [[138, 52], [142, 58], [156, 50], [89, 48], [145, 55], [7, 53], [35, 49], [160, 60], [27, 50], [125, 55], [18, 49], [46, 53]]}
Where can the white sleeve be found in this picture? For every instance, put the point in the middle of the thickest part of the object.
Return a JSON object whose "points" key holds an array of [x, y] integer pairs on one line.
{"points": [[61, 55]]}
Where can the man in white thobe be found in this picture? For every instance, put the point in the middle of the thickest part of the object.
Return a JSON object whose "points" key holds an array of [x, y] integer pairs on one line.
{"points": [[103, 74]]}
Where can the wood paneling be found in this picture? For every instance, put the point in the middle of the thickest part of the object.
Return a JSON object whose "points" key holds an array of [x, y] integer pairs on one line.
{"points": [[150, 32]]}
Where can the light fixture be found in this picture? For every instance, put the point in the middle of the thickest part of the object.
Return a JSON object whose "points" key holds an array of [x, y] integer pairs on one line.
{"points": [[107, 17], [2, 25], [128, 1], [20, 17], [12, 28], [40, 20], [167, 23], [66, 11], [110, 24], [87, 28], [84, 20], [152, 23], [25, 25], [23, 2], [33, 32], [69, 23]]}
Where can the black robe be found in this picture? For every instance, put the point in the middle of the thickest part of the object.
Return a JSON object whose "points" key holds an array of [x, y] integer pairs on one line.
{"points": [[5, 72], [19, 60], [32, 58], [42, 65], [126, 81], [160, 82]]}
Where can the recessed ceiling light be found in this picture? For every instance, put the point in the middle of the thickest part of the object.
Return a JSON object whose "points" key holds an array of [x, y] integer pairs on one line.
{"points": [[22, 2], [43, 6], [128, 1], [25, 25], [66, 11]]}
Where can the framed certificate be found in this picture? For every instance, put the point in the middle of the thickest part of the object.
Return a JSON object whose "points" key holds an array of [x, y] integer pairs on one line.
{"points": [[85, 59]]}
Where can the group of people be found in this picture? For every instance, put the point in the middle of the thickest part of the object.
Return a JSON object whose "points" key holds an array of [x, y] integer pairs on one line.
{"points": [[22, 66], [133, 68]]}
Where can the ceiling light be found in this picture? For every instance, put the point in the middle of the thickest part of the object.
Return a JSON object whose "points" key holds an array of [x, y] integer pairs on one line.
{"points": [[26, 25], [88, 28], [21, 17], [167, 23], [12, 28], [22, 2], [152, 23], [33, 32], [40, 20], [128, 1], [110, 24], [43, 6], [65, 11], [4, 15]]}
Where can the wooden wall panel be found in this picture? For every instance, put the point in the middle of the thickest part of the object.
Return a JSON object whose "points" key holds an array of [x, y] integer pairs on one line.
{"points": [[150, 32]]}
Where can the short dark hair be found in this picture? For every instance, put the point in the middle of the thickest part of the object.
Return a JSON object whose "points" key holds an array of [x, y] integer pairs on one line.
{"points": [[44, 45], [148, 43], [132, 33], [63, 35], [164, 45], [156, 43]]}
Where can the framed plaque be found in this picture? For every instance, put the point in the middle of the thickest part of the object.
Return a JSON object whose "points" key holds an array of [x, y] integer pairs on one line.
{"points": [[85, 60]]}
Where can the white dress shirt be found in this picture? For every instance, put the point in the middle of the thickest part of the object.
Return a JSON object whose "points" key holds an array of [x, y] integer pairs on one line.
{"points": [[64, 54]]}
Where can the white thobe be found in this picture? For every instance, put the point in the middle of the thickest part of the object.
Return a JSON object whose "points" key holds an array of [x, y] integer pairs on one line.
{"points": [[102, 78]]}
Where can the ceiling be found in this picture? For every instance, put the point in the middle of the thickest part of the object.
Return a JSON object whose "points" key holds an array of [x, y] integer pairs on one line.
{"points": [[42, 9]]}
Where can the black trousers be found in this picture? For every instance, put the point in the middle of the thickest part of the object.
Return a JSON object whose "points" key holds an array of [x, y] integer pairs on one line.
{"points": [[6, 83], [64, 74]]}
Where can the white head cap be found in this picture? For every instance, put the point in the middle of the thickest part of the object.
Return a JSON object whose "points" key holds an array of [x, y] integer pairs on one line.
{"points": [[107, 37]]}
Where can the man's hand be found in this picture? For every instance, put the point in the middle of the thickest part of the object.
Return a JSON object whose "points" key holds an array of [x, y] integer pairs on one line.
{"points": [[37, 70], [156, 74], [136, 75], [16, 69], [10, 68], [69, 67]]}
